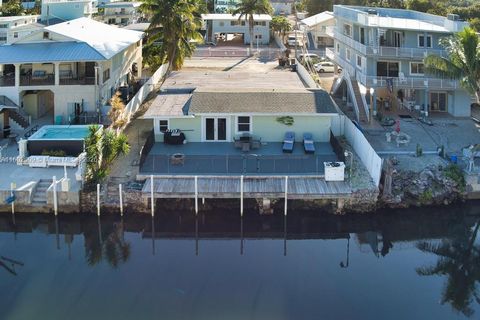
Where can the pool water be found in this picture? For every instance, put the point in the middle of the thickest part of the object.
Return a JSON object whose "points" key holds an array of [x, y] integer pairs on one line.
{"points": [[405, 265], [61, 133]]}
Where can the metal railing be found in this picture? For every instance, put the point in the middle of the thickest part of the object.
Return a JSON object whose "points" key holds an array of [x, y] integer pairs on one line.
{"points": [[77, 81], [7, 81], [32, 81], [236, 164], [410, 82], [386, 51]]}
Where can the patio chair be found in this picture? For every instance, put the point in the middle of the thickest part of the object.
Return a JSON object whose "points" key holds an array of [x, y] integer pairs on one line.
{"points": [[308, 144], [288, 142]]}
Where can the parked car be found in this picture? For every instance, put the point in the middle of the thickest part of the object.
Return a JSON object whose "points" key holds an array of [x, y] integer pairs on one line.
{"points": [[309, 56], [326, 66]]}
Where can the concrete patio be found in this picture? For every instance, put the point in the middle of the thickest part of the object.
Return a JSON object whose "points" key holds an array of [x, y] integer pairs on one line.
{"points": [[224, 158]]}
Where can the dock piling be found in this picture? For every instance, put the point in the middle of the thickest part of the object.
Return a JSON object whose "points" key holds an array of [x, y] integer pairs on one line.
{"points": [[12, 187], [196, 194], [152, 200], [120, 198], [55, 201], [286, 194], [241, 196], [98, 199]]}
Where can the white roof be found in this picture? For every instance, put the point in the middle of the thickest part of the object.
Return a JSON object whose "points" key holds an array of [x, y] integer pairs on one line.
{"points": [[318, 18], [13, 18], [232, 17], [405, 24], [105, 39]]}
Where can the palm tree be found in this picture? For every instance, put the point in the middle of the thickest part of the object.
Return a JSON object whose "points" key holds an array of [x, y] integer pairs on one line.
{"points": [[281, 25], [463, 62], [247, 9], [174, 24], [460, 262]]}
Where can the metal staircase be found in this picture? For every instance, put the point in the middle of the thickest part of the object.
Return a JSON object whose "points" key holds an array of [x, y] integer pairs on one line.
{"points": [[18, 115]]}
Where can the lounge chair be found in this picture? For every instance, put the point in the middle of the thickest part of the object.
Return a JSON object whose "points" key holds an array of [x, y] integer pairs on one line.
{"points": [[308, 144], [288, 142]]}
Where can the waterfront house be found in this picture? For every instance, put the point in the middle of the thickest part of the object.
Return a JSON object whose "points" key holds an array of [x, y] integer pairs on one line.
{"points": [[121, 13], [68, 69], [63, 10], [229, 28], [15, 27], [320, 28], [381, 53]]}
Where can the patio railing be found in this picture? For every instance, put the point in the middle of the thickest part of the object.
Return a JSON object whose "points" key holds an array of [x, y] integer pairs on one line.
{"points": [[7, 81], [237, 164]]}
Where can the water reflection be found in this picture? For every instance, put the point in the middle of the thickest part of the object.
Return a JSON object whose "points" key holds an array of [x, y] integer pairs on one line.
{"points": [[321, 248], [459, 261]]}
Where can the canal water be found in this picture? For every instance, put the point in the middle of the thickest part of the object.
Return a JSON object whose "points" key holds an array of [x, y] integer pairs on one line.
{"points": [[416, 264]]}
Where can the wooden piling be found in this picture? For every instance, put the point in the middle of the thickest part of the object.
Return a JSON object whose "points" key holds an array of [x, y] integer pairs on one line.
{"points": [[241, 196], [196, 194], [12, 187], [120, 198], [286, 194], [55, 201], [98, 199], [152, 199]]}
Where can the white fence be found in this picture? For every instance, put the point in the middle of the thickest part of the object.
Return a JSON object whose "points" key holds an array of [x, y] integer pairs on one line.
{"points": [[364, 150], [279, 42], [305, 76], [145, 90]]}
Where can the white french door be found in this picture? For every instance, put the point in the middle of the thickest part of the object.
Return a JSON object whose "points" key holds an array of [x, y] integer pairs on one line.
{"points": [[216, 129]]}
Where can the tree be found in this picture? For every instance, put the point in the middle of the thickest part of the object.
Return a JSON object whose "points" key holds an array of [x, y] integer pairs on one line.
{"points": [[247, 9], [173, 30], [11, 8], [117, 113], [462, 63], [281, 25], [459, 260], [420, 5]]}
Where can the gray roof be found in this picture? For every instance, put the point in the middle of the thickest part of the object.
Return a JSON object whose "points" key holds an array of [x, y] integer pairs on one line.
{"points": [[309, 102], [48, 52]]}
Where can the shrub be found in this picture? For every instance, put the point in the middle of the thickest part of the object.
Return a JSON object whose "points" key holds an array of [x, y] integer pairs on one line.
{"points": [[454, 173], [54, 153], [425, 197]]}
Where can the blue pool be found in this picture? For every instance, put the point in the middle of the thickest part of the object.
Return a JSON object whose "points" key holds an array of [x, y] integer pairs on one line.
{"points": [[66, 132]]}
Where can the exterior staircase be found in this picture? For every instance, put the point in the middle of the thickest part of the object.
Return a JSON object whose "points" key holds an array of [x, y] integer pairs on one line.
{"points": [[40, 192], [361, 106], [20, 119], [311, 41]]}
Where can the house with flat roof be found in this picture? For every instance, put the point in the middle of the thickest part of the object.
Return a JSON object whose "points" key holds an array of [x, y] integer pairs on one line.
{"points": [[15, 27], [320, 29], [68, 69], [121, 13], [68, 9], [229, 27], [381, 54]]}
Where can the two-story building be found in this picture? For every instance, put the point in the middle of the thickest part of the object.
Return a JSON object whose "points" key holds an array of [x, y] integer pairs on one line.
{"points": [[229, 27], [319, 28], [69, 68], [381, 53], [121, 13], [67, 9], [15, 27]]}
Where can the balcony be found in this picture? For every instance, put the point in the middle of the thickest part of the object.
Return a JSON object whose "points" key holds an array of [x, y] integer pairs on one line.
{"points": [[67, 81], [330, 53], [37, 79], [408, 82], [386, 51], [7, 81]]}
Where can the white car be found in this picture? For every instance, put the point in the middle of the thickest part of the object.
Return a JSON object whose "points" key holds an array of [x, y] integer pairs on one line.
{"points": [[309, 56], [325, 66]]}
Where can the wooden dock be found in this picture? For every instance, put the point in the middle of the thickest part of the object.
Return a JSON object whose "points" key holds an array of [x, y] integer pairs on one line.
{"points": [[229, 187]]}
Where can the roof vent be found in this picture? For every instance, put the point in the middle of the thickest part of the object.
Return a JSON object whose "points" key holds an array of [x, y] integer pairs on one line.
{"points": [[453, 17]]}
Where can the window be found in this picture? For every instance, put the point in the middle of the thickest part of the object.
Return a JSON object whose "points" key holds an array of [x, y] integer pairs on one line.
{"points": [[338, 48], [387, 69], [258, 36], [221, 23], [362, 35], [163, 125], [416, 68], [421, 41], [260, 23], [3, 26], [243, 124], [359, 61], [237, 23], [15, 35], [46, 35], [349, 55], [347, 30], [3, 38], [106, 75]]}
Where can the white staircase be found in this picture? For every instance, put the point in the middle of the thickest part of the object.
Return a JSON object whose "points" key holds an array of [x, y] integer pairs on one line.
{"points": [[40, 192]]}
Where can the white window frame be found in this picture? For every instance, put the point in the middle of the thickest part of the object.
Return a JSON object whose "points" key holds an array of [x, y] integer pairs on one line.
{"points": [[425, 42], [416, 74], [361, 61], [159, 126], [348, 55], [250, 123]]}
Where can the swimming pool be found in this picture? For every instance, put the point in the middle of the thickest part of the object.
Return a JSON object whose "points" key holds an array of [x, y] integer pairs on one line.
{"points": [[67, 138], [66, 132]]}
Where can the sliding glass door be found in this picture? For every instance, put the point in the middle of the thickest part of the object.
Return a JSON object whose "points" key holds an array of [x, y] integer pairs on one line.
{"points": [[216, 129]]}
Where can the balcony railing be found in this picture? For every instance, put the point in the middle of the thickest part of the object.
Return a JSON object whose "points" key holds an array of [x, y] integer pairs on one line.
{"points": [[7, 81], [408, 82], [384, 51], [330, 53], [28, 80], [77, 81]]}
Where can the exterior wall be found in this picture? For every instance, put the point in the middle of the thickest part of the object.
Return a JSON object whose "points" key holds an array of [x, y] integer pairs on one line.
{"points": [[15, 28], [265, 127], [68, 10], [461, 104], [128, 15], [224, 26]]}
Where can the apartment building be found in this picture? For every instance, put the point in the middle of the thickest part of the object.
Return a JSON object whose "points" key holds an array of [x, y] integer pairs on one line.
{"points": [[381, 53], [121, 13]]}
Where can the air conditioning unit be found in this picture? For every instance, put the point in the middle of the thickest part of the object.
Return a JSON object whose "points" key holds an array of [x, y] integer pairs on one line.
{"points": [[453, 17], [334, 171]]}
